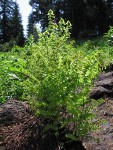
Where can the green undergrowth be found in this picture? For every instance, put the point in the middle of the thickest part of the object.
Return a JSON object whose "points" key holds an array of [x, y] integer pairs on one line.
{"points": [[55, 75]]}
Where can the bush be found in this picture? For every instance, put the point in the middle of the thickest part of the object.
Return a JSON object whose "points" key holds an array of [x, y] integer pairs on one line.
{"points": [[7, 46], [60, 79], [109, 36], [12, 74]]}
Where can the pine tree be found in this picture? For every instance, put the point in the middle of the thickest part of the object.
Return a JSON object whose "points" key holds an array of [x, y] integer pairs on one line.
{"points": [[96, 15], [5, 23], [40, 9], [30, 25], [83, 14], [16, 26], [10, 22], [72, 10]]}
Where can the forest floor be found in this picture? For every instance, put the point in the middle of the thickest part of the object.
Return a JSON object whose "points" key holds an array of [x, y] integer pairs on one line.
{"points": [[21, 130], [26, 130], [102, 139]]}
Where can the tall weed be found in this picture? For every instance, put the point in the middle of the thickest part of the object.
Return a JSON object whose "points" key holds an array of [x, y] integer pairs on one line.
{"points": [[61, 79]]}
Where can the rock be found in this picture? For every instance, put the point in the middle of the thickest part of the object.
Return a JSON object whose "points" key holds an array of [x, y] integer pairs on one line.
{"points": [[13, 112], [105, 83], [103, 86], [109, 68], [99, 92], [21, 130], [103, 76], [18, 128]]}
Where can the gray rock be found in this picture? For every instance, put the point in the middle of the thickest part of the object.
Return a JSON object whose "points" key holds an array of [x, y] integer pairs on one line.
{"points": [[99, 92], [105, 75], [103, 86], [105, 83]]}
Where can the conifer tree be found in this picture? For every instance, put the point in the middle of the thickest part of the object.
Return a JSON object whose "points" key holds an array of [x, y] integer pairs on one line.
{"points": [[6, 7], [30, 25], [16, 26], [83, 14], [10, 22], [40, 9]]}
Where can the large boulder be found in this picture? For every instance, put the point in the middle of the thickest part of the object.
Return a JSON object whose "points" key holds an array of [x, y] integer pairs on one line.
{"points": [[21, 130]]}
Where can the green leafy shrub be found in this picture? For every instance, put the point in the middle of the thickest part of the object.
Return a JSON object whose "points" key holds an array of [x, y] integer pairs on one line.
{"points": [[7, 46], [60, 79], [109, 35], [12, 70], [105, 51]]}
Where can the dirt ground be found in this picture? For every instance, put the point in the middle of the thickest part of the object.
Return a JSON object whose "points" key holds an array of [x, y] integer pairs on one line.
{"points": [[102, 139], [21, 130]]}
